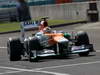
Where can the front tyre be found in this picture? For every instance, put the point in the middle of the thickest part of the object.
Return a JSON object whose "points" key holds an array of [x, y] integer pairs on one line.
{"points": [[14, 48], [64, 49], [34, 46]]}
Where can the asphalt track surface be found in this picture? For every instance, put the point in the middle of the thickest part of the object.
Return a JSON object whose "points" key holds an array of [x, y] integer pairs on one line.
{"points": [[75, 65]]}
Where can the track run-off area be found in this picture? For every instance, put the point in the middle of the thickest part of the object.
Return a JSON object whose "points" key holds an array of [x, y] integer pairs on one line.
{"points": [[75, 65]]}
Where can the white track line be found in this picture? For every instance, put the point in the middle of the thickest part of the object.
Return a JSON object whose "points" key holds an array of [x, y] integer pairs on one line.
{"points": [[37, 69], [70, 65], [19, 69], [10, 72], [54, 73], [28, 70], [47, 72]]}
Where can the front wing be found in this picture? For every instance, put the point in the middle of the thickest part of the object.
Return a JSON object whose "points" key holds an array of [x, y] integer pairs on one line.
{"points": [[74, 50]]}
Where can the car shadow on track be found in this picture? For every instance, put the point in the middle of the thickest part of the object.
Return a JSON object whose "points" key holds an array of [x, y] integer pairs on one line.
{"points": [[43, 59], [52, 58]]}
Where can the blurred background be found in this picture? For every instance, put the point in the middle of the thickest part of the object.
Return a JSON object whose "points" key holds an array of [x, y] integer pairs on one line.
{"points": [[12, 3], [87, 10]]}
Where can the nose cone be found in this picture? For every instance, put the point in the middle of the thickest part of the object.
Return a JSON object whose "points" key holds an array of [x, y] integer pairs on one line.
{"points": [[63, 40]]}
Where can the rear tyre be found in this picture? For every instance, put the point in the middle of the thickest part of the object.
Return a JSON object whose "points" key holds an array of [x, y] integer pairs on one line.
{"points": [[82, 39], [84, 54], [14, 48]]}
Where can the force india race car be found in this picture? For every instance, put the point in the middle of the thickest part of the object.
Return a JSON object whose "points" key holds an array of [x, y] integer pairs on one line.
{"points": [[53, 43]]}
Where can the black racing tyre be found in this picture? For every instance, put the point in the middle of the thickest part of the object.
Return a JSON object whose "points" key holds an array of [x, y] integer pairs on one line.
{"points": [[84, 53], [63, 49], [14, 48], [34, 46], [82, 38]]}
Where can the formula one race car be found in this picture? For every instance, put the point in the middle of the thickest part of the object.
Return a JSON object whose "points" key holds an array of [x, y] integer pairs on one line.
{"points": [[53, 43]]}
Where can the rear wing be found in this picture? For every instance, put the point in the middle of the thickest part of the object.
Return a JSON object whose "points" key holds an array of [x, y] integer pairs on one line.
{"points": [[27, 25]]}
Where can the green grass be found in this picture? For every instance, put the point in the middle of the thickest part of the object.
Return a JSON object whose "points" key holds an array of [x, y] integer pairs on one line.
{"points": [[11, 26], [56, 22]]}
